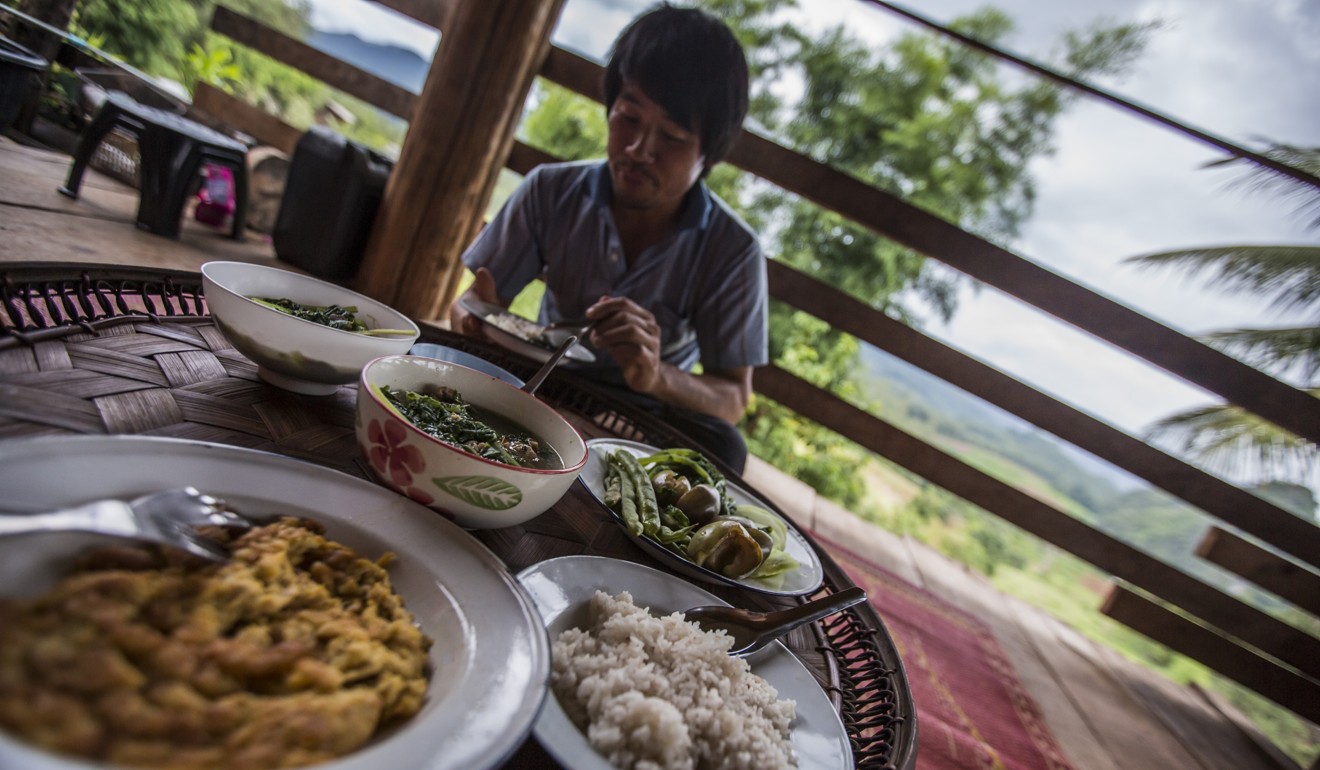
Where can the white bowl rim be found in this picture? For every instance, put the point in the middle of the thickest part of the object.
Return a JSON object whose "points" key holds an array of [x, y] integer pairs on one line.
{"points": [[416, 330], [375, 396]]}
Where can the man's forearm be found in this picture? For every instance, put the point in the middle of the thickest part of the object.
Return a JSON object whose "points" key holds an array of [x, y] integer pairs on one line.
{"points": [[724, 394]]}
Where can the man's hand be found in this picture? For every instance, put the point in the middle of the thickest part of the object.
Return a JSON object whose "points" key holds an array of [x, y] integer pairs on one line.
{"points": [[482, 288], [630, 333]]}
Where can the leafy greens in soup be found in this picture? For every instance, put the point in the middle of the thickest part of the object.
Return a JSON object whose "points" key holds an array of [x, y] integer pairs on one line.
{"points": [[334, 316], [444, 414]]}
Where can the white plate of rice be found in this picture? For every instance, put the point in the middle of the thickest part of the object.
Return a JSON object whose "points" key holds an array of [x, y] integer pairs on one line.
{"points": [[518, 334], [651, 725]]}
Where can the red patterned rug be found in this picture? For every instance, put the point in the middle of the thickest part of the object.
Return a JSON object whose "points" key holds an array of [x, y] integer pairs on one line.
{"points": [[972, 711]]}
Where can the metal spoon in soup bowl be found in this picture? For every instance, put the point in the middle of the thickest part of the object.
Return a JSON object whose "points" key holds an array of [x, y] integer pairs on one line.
{"points": [[753, 630], [549, 365]]}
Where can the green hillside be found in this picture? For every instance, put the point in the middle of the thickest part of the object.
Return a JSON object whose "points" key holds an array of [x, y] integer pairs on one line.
{"points": [[1021, 565], [1034, 461]]}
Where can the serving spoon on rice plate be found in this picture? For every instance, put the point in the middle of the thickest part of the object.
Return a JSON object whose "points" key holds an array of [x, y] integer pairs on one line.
{"points": [[753, 630]]}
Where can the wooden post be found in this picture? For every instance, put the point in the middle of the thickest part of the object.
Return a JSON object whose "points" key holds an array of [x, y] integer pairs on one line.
{"points": [[457, 143], [55, 13]]}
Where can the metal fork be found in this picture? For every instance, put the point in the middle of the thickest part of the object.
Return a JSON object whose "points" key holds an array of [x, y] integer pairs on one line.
{"points": [[170, 517]]}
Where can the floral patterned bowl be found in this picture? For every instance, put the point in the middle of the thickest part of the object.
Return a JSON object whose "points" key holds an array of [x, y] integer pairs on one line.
{"points": [[293, 353], [475, 492]]}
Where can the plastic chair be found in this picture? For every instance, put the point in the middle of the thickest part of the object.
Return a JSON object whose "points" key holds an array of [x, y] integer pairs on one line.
{"points": [[172, 151]]}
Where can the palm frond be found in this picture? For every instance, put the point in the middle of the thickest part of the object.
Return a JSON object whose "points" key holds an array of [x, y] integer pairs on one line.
{"points": [[1238, 444], [1290, 273], [1228, 438], [1268, 180], [1282, 351]]}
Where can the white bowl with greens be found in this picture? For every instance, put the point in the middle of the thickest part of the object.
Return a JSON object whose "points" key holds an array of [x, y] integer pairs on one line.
{"points": [[464, 443], [304, 334]]}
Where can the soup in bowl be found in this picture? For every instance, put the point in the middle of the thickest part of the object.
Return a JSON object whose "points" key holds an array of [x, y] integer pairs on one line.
{"points": [[304, 334], [463, 442]]}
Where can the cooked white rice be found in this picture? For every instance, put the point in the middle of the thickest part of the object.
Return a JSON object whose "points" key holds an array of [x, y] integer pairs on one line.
{"points": [[658, 692], [518, 326]]}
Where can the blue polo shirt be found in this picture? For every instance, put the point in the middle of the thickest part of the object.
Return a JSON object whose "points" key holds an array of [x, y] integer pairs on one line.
{"points": [[705, 282]]}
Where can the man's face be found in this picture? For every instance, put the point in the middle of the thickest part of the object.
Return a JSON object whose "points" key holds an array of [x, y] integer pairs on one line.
{"points": [[653, 160]]}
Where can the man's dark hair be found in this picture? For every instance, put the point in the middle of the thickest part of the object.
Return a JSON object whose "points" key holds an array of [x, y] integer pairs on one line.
{"points": [[689, 63]]}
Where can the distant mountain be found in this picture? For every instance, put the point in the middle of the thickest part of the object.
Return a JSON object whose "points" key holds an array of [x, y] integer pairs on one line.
{"points": [[400, 66]]}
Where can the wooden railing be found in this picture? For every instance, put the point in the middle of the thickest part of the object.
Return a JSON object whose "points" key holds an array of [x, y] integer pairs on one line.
{"points": [[1170, 606]]}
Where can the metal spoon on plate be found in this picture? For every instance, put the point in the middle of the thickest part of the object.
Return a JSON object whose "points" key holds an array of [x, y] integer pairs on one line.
{"points": [[753, 630], [558, 331]]}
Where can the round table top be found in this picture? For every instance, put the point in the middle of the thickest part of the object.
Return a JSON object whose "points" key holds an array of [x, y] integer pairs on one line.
{"points": [[92, 350]]}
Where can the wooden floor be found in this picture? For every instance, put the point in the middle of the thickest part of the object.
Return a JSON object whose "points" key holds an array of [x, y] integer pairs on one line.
{"points": [[1105, 712]]}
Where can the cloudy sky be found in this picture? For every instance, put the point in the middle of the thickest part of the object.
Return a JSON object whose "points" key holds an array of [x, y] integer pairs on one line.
{"points": [[1117, 185]]}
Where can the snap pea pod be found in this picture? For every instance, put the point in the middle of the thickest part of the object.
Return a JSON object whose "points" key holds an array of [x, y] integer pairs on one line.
{"points": [[617, 475], [688, 461], [648, 509], [613, 488]]}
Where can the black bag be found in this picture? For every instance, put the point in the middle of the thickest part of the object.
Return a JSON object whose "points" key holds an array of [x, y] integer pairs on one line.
{"points": [[333, 191]]}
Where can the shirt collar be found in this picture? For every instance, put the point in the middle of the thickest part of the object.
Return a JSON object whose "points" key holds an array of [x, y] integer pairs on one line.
{"points": [[697, 205]]}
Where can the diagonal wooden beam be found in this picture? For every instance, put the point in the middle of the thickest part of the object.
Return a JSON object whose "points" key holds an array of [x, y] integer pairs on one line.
{"points": [[1270, 571], [432, 13], [1216, 649], [1209, 493], [1117, 324], [267, 128], [393, 99]]}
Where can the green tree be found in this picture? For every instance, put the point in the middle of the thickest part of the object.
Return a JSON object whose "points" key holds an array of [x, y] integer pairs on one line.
{"points": [[171, 39], [559, 121], [151, 35], [268, 84], [215, 67], [1226, 437], [927, 119]]}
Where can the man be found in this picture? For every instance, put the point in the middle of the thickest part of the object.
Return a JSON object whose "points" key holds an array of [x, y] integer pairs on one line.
{"points": [[638, 244]]}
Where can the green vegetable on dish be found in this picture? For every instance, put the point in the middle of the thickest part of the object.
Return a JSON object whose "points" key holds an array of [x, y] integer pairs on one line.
{"points": [[334, 316], [636, 503], [342, 317], [678, 498]]}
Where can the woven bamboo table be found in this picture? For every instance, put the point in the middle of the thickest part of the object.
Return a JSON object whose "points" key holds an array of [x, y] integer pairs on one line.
{"points": [[90, 349]]}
